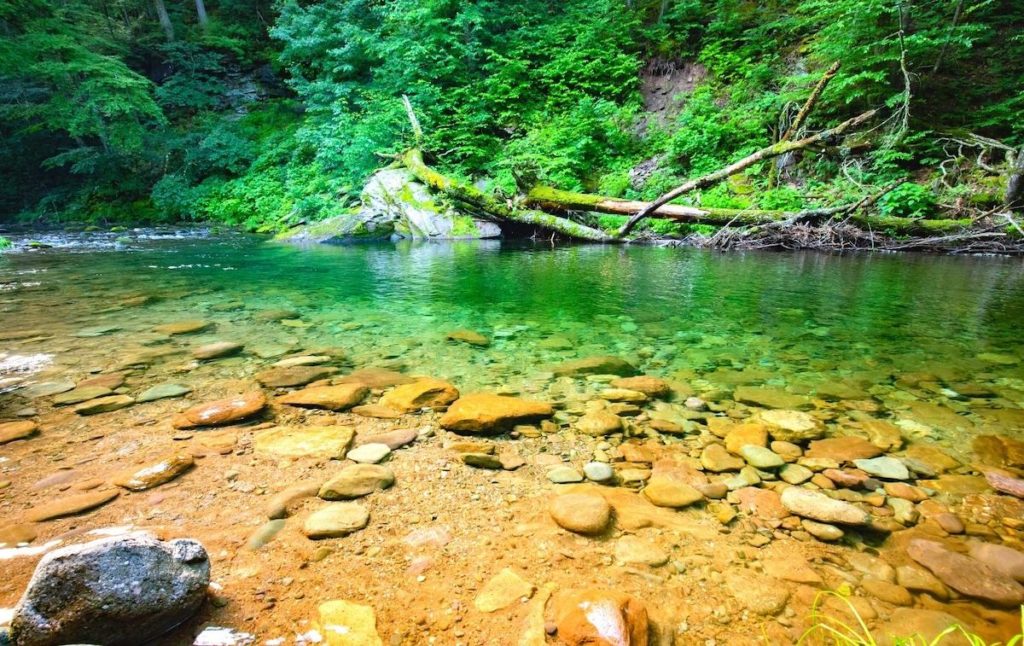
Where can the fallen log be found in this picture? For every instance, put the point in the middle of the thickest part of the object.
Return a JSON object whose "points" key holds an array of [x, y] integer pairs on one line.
{"points": [[468, 194]]}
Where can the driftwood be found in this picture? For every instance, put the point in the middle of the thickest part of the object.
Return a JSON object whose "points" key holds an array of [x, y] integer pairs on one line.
{"points": [[774, 150]]}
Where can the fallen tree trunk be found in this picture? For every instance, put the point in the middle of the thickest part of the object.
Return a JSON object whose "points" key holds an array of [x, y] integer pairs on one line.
{"points": [[462, 192], [549, 198], [774, 150]]}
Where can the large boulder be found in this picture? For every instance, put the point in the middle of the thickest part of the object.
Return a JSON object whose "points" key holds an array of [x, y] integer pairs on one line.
{"points": [[124, 590], [395, 205]]}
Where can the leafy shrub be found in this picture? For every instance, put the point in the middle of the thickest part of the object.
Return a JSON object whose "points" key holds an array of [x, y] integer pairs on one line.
{"points": [[908, 201]]}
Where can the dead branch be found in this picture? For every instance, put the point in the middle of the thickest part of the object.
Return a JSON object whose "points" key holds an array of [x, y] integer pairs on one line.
{"points": [[812, 100]]}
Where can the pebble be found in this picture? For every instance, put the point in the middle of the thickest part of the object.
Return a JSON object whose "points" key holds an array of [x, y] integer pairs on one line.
{"points": [[564, 475], [369, 453], [761, 457], [582, 513], [598, 471]]}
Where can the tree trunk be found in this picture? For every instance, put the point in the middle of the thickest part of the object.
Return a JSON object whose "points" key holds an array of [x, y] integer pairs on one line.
{"points": [[165, 20], [462, 192], [1015, 187], [201, 14]]}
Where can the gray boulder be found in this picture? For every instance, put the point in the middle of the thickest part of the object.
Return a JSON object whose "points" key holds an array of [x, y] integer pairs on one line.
{"points": [[113, 591], [395, 205]]}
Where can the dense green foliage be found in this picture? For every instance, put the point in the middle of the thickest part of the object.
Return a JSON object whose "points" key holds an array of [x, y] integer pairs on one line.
{"points": [[275, 113]]}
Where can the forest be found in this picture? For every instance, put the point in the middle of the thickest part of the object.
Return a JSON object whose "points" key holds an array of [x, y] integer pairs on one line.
{"points": [[263, 115]]}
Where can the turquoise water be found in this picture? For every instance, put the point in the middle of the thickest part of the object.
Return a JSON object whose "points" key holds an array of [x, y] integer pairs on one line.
{"points": [[711, 320]]}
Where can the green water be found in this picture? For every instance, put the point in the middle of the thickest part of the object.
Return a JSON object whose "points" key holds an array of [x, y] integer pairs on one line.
{"points": [[713, 321]]}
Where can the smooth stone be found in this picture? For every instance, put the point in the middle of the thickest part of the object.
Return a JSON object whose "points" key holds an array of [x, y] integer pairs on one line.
{"points": [[598, 471], [843, 449], [11, 431], [81, 394], [46, 388], [761, 457], [336, 520], [1005, 483], [355, 481], [222, 411], [502, 591], [1000, 558], [336, 398], [582, 513], [598, 423], [564, 475], [119, 591], [821, 531], [17, 534], [885, 467], [163, 391], [623, 395], [762, 503], [743, 434], [600, 365], [968, 576], [217, 350], [369, 453], [651, 386], [769, 397], [104, 405], [795, 474], [791, 425], [918, 579], [888, 592], [600, 617], [182, 327], [305, 441], [924, 626], [157, 474], [343, 623], [715, 458], [669, 492], [264, 534], [631, 550], [481, 460], [304, 360], [71, 505], [817, 506], [487, 413], [392, 439], [293, 376], [375, 378], [376, 411], [469, 337], [757, 593], [423, 393]]}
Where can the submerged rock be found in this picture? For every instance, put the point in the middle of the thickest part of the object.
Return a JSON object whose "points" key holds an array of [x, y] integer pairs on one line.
{"points": [[337, 398], [119, 591], [104, 405], [217, 350], [651, 386], [183, 327], [163, 391], [470, 337], [598, 423], [81, 394], [792, 425], [486, 413], [292, 376], [10, 431], [817, 506], [423, 393], [602, 365], [221, 411], [968, 576]]}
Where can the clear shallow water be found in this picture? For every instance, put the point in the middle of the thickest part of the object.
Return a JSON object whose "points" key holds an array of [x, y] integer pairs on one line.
{"points": [[714, 321]]}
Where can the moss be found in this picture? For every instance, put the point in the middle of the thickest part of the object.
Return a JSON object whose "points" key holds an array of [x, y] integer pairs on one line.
{"points": [[463, 225], [5, 243]]}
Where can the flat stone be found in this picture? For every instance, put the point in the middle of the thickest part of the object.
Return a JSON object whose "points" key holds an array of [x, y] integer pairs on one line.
{"points": [[502, 591], [375, 378], [744, 434], [598, 617], [356, 481], [183, 327], [653, 387], [392, 439], [112, 380], [918, 579], [885, 467], [487, 413], [623, 395], [369, 453], [156, 474], [761, 503], [469, 337], [81, 394], [888, 592], [423, 393], [600, 365], [217, 350], [305, 441], [598, 423], [582, 513], [769, 397], [336, 398], [336, 520], [795, 474], [1005, 483], [1002, 559], [757, 593], [667, 492], [163, 391], [843, 449], [598, 471], [376, 411], [304, 360], [46, 388], [481, 460], [222, 411], [817, 506], [343, 623], [11, 431], [761, 457], [104, 405], [293, 376], [631, 550], [71, 505], [715, 458], [968, 576], [564, 475], [16, 534], [821, 531], [791, 425]]}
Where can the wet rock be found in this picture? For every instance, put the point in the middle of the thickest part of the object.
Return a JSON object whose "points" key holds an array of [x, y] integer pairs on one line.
{"points": [[274, 315], [769, 397], [631, 550], [376, 411], [905, 491], [356, 481], [46, 388], [81, 394], [601, 365], [596, 617], [293, 376], [277, 507], [163, 391], [885, 435], [71, 505], [486, 413], [502, 591], [375, 378], [795, 474], [926, 626], [104, 405], [970, 577], [599, 423], [744, 434], [917, 579], [757, 593], [715, 458], [817, 506], [1002, 559], [343, 623], [598, 471], [217, 350], [11, 431], [336, 520], [120, 591], [1005, 483], [821, 531], [933, 457], [155, 475], [791, 425], [583, 513], [564, 475], [651, 386], [888, 592], [469, 337], [887, 468], [222, 411], [843, 449], [423, 393], [369, 453], [305, 360], [183, 327], [337, 398], [305, 441], [664, 491], [761, 457]]}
